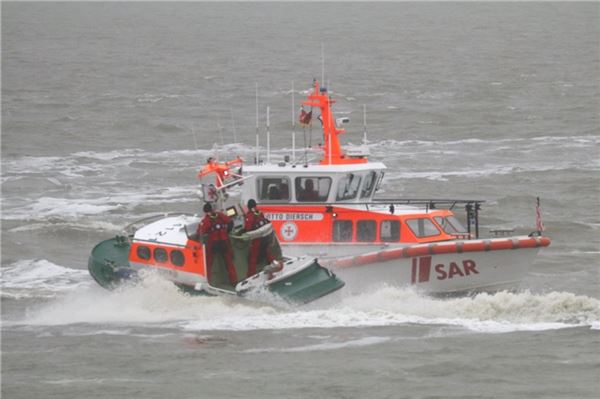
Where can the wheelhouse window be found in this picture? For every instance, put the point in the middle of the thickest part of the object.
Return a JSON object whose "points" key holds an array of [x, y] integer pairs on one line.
{"points": [[177, 257], [312, 189], [160, 255], [389, 231], [379, 181], [348, 187], [143, 252], [422, 227], [342, 230], [366, 230], [368, 185], [273, 189], [450, 225]]}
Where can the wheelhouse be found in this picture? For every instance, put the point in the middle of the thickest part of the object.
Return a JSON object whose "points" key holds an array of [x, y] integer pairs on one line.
{"points": [[287, 183]]}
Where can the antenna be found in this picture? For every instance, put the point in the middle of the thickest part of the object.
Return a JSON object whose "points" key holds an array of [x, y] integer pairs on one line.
{"points": [[322, 64], [365, 124], [257, 136], [233, 125], [268, 137], [216, 150], [220, 130], [194, 134], [293, 127]]}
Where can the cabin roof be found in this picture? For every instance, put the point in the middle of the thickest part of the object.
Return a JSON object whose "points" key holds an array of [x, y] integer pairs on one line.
{"points": [[169, 230], [300, 169]]}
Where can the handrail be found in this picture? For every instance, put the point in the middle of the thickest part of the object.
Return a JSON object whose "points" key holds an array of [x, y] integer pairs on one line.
{"points": [[383, 201], [425, 201]]}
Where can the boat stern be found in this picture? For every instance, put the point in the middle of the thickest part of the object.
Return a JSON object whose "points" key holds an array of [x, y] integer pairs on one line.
{"points": [[108, 263], [300, 281]]}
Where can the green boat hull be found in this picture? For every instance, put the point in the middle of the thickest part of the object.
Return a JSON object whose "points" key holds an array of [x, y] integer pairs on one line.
{"points": [[108, 263], [109, 266], [307, 285]]}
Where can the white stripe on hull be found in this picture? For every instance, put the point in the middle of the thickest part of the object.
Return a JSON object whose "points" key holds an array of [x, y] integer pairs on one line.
{"points": [[444, 273], [332, 250]]}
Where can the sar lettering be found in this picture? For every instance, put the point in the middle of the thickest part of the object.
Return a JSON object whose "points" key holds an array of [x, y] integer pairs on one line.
{"points": [[452, 270]]}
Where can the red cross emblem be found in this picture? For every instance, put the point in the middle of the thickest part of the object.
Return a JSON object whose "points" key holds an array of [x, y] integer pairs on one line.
{"points": [[289, 231]]}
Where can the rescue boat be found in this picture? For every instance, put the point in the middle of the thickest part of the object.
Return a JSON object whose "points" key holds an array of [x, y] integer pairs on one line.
{"points": [[328, 210], [170, 246]]}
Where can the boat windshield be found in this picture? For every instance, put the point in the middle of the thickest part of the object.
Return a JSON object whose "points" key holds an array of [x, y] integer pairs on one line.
{"points": [[368, 185], [422, 227], [348, 187], [450, 224]]}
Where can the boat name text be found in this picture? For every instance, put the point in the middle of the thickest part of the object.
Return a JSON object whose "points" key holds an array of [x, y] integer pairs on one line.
{"points": [[307, 217]]}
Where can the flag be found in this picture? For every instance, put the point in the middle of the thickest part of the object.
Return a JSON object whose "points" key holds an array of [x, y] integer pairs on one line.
{"points": [[305, 117], [538, 216]]}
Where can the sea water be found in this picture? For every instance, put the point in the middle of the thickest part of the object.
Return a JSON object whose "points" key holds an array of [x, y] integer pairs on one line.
{"points": [[110, 109]]}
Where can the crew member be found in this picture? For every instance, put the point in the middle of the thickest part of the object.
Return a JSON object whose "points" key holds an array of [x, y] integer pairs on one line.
{"points": [[214, 228], [255, 219], [309, 193]]}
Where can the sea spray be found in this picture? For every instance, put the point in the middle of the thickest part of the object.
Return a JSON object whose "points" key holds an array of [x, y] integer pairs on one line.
{"points": [[151, 300], [75, 299]]}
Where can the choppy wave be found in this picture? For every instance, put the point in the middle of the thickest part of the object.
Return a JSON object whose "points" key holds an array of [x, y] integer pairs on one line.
{"points": [[79, 224], [485, 171], [115, 158], [517, 142], [45, 208], [85, 161], [41, 278], [158, 302]]}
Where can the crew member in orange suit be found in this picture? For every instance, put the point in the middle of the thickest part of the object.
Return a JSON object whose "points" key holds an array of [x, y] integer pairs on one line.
{"points": [[214, 228], [255, 219]]}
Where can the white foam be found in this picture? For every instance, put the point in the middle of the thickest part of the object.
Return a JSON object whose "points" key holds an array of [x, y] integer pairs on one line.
{"points": [[482, 171], [79, 224], [392, 146], [154, 300], [110, 155], [33, 277], [47, 207], [498, 312], [74, 208], [158, 302], [94, 381]]}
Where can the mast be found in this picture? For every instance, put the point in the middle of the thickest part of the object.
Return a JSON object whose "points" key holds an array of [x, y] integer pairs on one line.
{"points": [[220, 130], [293, 127], [268, 137], [332, 149], [233, 125]]}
